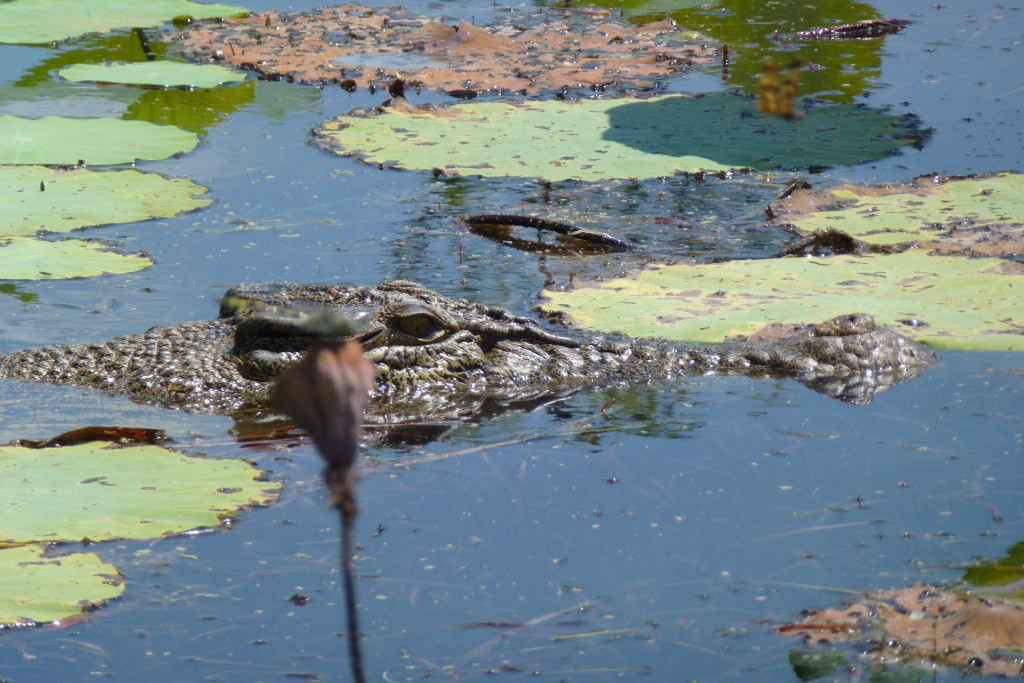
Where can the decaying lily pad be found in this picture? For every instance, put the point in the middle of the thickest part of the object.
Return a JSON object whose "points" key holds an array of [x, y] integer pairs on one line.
{"points": [[103, 492], [160, 72], [621, 138], [945, 302], [36, 588], [922, 622], [57, 140], [968, 216], [27, 258], [355, 46], [37, 199], [47, 21]]}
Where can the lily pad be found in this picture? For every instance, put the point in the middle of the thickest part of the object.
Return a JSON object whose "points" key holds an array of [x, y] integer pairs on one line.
{"points": [[977, 215], [26, 258], [1005, 571], [160, 72], [44, 199], [625, 138], [40, 100], [60, 140], [104, 492], [951, 302], [924, 623], [47, 21], [36, 589], [528, 51]]}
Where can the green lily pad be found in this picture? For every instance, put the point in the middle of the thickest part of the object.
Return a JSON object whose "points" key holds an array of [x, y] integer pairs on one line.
{"points": [[958, 303], [80, 102], [56, 140], [100, 492], [122, 45], [161, 72], [1002, 572], [963, 215], [621, 138], [26, 258], [47, 21], [36, 198], [35, 589]]}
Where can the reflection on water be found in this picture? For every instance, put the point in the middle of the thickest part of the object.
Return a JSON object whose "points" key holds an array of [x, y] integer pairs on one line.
{"points": [[840, 70]]}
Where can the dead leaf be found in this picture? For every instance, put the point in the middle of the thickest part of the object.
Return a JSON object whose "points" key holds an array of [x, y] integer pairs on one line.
{"points": [[353, 46], [925, 622]]}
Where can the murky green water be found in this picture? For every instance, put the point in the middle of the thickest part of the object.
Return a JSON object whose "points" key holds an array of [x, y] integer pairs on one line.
{"points": [[691, 519]]}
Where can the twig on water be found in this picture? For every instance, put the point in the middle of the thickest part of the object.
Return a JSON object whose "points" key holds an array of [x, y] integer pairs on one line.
{"points": [[326, 394]]}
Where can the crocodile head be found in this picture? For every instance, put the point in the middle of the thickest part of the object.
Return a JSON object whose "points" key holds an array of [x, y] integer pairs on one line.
{"points": [[445, 357], [440, 359], [433, 355]]}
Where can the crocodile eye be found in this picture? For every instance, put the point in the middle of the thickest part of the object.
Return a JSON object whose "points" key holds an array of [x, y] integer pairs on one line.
{"points": [[422, 326], [417, 325]]}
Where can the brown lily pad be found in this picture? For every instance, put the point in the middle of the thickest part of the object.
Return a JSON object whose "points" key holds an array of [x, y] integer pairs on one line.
{"points": [[543, 51], [925, 622]]}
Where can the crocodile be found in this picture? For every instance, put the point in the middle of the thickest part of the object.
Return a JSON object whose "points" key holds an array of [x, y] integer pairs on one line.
{"points": [[441, 358]]}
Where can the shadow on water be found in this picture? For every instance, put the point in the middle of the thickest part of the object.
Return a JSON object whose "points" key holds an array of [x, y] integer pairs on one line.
{"points": [[727, 128]]}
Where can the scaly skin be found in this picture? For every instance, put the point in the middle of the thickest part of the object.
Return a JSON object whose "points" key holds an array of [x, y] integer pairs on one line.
{"points": [[439, 358]]}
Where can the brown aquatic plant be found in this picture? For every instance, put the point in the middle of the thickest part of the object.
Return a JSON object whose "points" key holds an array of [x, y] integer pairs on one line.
{"points": [[923, 622], [529, 52], [326, 394]]}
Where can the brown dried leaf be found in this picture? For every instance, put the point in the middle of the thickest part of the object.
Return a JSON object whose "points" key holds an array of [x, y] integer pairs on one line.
{"points": [[121, 435], [354, 46], [925, 622]]}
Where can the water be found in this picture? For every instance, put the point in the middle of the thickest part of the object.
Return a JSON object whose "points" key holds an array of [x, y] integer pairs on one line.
{"points": [[656, 532]]}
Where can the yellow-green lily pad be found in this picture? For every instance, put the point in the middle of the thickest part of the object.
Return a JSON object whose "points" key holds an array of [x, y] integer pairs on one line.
{"points": [[26, 258], [36, 198], [60, 140], [616, 138], [35, 589], [975, 215], [47, 21], [946, 302], [103, 492], [160, 72]]}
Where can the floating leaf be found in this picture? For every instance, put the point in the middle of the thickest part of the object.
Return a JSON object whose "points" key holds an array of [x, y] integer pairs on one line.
{"points": [[122, 45], [25, 258], [37, 198], [954, 302], [983, 215], [624, 138], [59, 140], [35, 589], [529, 52], [160, 72], [1002, 572], [42, 99], [47, 21], [812, 665], [923, 622], [101, 492]]}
